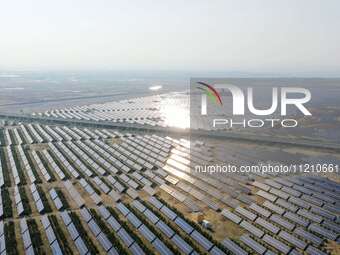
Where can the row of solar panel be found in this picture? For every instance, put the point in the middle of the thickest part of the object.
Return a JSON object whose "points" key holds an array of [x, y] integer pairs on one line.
{"points": [[51, 237], [2, 239]]}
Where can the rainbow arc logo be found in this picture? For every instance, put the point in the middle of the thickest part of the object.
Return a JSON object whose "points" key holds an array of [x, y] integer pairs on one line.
{"points": [[211, 92]]}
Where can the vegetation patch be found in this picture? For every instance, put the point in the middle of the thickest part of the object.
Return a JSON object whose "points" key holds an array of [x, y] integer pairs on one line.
{"points": [[11, 243], [5, 169], [25, 201], [6, 203]]}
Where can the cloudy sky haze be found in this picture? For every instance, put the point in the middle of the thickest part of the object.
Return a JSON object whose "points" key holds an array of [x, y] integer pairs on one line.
{"points": [[246, 35]]}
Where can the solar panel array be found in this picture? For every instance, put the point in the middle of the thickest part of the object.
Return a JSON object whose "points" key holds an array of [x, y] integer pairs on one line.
{"points": [[97, 232], [99, 167], [144, 110], [25, 234], [51, 237], [296, 217], [74, 234], [37, 198], [56, 199]]}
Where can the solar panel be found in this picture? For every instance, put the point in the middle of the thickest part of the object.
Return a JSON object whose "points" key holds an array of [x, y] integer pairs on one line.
{"points": [[334, 227], [260, 210], [287, 205], [104, 241], [267, 225], [133, 220], [50, 235], [104, 212], [58, 203], [17, 198], [216, 251], [148, 189], [273, 207], [114, 195], [104, 188], [310, 216], [29, 251], [125, 237], [312, 200], [295, 218], [40, 206], [295, 252], [282, 222], [299, 202], [291, 191], [85, 214], [96, 198], [132, 193], [155, 202], [181, 244], [331, 208], [73, 231], [199, 238], [26, 239], [322, 231], [303, 189], [279, 193], [171, 179], [293, 240], [94, 227], [169, 213], [261, 186], [45, 221], [233, 203], [266, 195], [165, 229], [53, 194], [66, 218], [252, 229], [146, 232], [81, 247], [233, 247], [260, 249], [314, 251], [2, 245], [284, 182], [115, 225], [308, 236], [151, 216], [280, 246], [138, 205], [119, 187], [161, 248], [1, 228], [23, 225], [135, 249], [183, 225], [324, 197], [249, 215]]}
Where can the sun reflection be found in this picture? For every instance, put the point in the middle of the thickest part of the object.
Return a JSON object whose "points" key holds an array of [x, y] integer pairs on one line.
{"points": [[175, 115]]}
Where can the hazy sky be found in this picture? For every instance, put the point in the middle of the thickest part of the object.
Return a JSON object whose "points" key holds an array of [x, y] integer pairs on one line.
{"points": [[292, 36]]}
